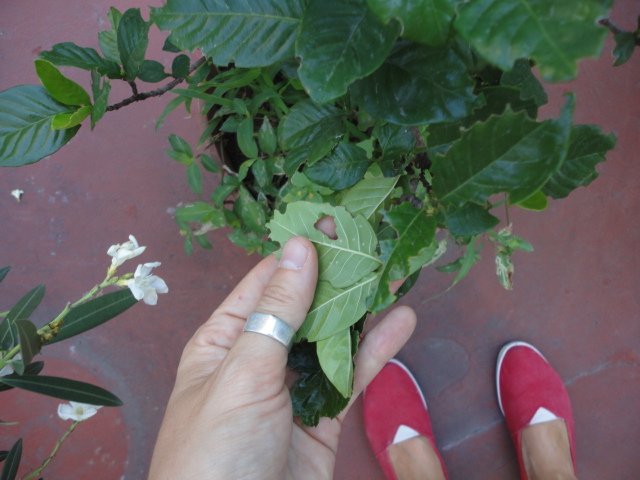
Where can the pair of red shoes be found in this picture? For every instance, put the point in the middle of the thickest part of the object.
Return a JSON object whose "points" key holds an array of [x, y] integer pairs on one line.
{"points": [[529, 392]]}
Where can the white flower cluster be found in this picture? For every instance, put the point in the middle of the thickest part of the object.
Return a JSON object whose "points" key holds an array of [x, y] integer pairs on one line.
{"points": [[143, 285]]}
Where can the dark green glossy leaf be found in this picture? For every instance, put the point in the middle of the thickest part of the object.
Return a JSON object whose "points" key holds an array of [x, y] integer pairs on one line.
{"points": [[246, 142], [408, 284], [65, 389], [405, 253], [180, 66], [60, 87], [152, 72], [194, 178], [423, 21], [523, 156], [342, 168], [499, 98], [3, 453], [12, 462], [71, 55], [100, 97], [133, 39], [93, 313], [32, 369], [395, 140], [587, 148], [70, 120], [109, 38], [249, 34], [26, 113], [30, 343], [170, 47], [335, 357], [417, 84], [267, 137], [536, 202], [340, 41], [523, 78], [554, 34], [310, 123], [3, 272], [625, 45], [470, 219]]}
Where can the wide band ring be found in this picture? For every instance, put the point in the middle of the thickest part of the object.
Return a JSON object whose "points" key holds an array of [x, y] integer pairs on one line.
{"points": [[271, 326]]}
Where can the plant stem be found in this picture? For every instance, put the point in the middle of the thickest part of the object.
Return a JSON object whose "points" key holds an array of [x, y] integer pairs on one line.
{"points": [[53, 453], [136, 97]]}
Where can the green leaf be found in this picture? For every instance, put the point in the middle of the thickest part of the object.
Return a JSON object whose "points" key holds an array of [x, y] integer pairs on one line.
{"points": [[524, 154], [179, 144], [246, 142], [170, 47], [32, 369], [70, 120], [249, 34], [71, 55], [523, 78], [342, 168], [109, 38], [3, 272], [463, 264], [555, 35], [199, 212], [343, 261], [194, 177], [171, 106], [30, 343], [209, 163], [536, 202], [27, 304], [367, 196], [334, 355], [423, 21], [94, 313], [308, 123], [313, 395], [417, 84], [60, 87], [203, 242], [470, 219], [12, 462], [133, 39], [625, 45], [334, 309], [65, 389], [587, 147], [180, 66], [152, 72], [404, 254], [250, 211], [395, 140], [267, 138], [100, 97], [340, 41]]}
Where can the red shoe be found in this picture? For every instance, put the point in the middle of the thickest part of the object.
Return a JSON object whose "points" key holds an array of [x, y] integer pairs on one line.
{"points": [[395, 410], [529, 392]]}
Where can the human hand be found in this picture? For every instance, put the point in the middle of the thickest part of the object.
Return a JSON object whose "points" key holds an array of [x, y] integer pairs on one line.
{"points": [[230, 413]]}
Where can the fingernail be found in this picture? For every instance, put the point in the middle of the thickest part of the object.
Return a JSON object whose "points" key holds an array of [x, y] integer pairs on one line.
{"points": [[295, 255]]}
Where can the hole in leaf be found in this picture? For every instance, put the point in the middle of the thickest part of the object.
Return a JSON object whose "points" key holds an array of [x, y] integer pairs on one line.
{"points": [[327, 226]]}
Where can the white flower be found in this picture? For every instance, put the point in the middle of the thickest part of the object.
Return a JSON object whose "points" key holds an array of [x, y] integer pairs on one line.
{"points": [[8, 369], [145, 286], [77, 411], [127, 250]]}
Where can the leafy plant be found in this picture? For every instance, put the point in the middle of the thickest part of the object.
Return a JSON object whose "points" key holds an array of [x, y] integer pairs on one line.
{"points": [[408, 123]]}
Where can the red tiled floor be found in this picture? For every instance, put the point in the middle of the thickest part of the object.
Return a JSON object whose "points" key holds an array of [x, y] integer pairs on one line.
{"points": [[576, 296]]}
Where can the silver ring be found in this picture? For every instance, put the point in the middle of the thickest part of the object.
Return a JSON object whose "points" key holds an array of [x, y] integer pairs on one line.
{"points": [[271, 326]]}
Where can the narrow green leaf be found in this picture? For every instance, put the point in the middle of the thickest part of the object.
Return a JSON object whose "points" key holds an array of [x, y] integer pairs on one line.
{"points": [[249, 34], [368, 195], [334, 355], [334, 309], [71, 55], [625, 45], [12, 462], [30, 343], [340, 41], [3, 272], [587, 147], [470, 219], [213, 99], [342, 168], [108, 39], [194, 177], [554, 34], [171, 106], [133, 39], [536, 202], [417, 84], [65, 389], [188, 245], [100, 97], [267, 138], [180, 66], [32, 369], [246, 142], [404, 254], [152, 72], [343, 261], [94, 313], [209, 163], [27, 304], [70, 120], [203, 242], [423, 21], [179, 144], [60, 87]]}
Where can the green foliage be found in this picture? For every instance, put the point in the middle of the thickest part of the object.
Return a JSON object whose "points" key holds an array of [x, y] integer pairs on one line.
{"points": [[12, 462], [396, 119]]}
